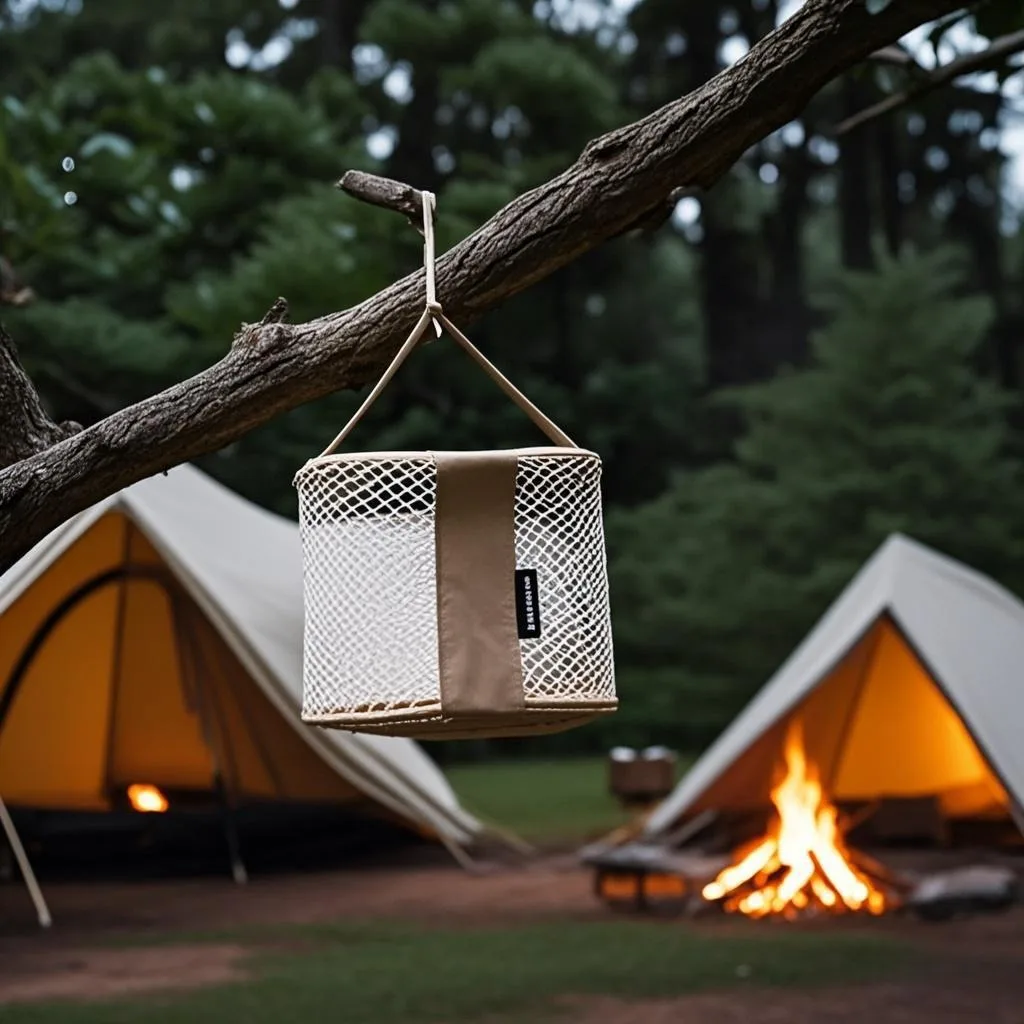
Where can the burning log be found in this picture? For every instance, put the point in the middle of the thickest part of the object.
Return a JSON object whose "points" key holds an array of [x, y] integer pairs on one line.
{"points": [[802, 864]]}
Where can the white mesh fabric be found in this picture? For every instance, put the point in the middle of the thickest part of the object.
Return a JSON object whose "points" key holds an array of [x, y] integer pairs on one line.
{"points": [[371, 640], [367, 529], [560, 533]]}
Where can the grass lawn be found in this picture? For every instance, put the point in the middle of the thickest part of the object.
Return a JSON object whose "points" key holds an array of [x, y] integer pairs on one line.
{"points": [[399, 973], [543, 801]]}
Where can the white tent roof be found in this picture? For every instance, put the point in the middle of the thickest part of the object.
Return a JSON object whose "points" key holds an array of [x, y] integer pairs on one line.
{"points": [[242, 566], [967, 631]]}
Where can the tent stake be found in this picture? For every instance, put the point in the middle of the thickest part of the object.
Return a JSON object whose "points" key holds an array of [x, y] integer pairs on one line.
{"points": [[238, 871], [227, 817], [42, 911]]}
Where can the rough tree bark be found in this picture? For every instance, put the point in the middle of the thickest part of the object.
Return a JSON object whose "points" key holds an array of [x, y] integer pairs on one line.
{"points": [[621, 180]]}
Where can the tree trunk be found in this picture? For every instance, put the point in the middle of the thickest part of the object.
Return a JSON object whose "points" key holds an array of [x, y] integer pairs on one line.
{"points": [[889, 167], [339, 31], [855, 206]]}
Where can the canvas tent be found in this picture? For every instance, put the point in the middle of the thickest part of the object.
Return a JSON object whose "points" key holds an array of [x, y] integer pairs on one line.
{"points": [[156, 639], [911, 685]]}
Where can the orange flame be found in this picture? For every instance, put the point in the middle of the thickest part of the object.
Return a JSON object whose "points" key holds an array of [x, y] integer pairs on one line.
{"points": [[145, 797], [801, 860]]}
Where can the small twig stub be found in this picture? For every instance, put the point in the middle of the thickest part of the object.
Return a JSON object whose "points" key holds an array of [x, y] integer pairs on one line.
{"points": [[384, 192]]}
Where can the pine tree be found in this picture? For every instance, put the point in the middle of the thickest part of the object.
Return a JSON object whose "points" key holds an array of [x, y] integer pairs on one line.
{"points": [[890, 429]]}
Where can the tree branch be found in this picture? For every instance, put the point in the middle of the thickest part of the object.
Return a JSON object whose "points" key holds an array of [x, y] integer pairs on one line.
{"points": [[25, 428], [618, 180], [984, 60], [896, 56]]}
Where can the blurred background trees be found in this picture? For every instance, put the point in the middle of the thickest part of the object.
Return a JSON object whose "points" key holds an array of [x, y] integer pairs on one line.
{"points": [[823, 349]]}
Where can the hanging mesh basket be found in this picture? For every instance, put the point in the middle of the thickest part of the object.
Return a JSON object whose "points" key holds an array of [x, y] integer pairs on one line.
{"points": [[433, 609], [455, 594]]}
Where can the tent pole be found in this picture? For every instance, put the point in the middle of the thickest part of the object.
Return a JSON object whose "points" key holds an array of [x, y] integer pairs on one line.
{"points": [[117, 667], [250, 724], [42, 910], [210, 727], [238, 870], [463, 859]]}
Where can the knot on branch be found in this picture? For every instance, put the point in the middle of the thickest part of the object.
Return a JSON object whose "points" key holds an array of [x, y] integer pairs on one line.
{"points": [[269, 331], [277, 314], [606, 147]]}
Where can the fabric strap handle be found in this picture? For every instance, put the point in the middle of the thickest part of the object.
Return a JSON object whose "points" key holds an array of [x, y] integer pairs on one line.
{"points": [[432, 313]]}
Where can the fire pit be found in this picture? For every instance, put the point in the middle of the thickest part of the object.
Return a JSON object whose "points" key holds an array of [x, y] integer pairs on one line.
{"points": [[802, 864]]}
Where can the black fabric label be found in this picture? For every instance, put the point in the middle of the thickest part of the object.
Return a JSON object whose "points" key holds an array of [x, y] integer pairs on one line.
{"points": [[527, 604]]}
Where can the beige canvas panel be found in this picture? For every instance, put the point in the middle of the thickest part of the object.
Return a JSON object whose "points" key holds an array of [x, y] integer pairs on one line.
{"points": [[481, 669], [52, 745]]}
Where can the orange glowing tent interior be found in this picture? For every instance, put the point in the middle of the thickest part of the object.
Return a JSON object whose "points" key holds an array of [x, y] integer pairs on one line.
{"points": [[134, 685], [877, 727], [908, 690]]}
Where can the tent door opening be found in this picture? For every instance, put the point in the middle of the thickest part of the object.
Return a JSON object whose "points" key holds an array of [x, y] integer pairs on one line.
{"points": [[193, 669]]}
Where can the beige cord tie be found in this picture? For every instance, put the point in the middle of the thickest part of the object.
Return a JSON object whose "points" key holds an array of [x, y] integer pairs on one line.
{"points": [[429, 206], [433, 314]]}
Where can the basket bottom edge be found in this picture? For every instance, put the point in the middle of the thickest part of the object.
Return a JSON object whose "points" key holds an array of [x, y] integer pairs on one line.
{"points": [[536, 721]]}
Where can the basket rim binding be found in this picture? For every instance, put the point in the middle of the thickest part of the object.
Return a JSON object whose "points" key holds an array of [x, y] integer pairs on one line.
{"points": [[428, 454]]}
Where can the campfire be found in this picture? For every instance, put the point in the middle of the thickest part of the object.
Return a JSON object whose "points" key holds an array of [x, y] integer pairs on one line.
{"points": [[802, 864]]}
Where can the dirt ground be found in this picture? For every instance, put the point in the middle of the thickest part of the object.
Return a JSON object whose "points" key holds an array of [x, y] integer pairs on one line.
{"points": [[80, 974], [976, 972]]}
